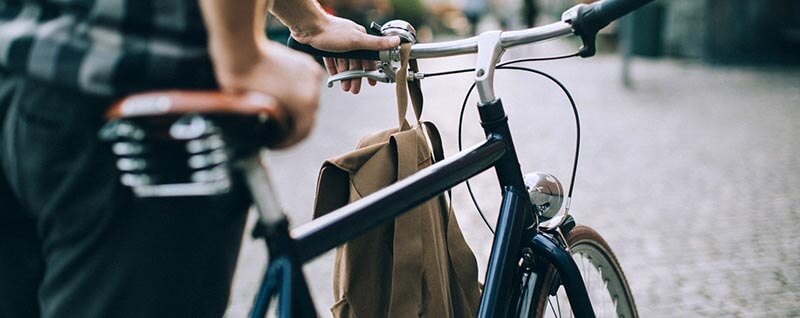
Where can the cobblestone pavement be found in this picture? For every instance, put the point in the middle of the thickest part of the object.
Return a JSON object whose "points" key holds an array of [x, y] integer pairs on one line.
{"points": [[692, 175]]}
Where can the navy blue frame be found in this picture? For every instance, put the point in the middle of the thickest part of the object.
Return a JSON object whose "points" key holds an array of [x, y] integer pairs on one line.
{"points": [[288, 251]]}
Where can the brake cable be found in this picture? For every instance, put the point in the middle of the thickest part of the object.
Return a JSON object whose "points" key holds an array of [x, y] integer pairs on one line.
{"points": [[509, 65]]}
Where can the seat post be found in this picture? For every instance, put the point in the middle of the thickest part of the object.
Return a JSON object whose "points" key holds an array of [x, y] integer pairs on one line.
{"points": [[284, 275], [261, 190]]}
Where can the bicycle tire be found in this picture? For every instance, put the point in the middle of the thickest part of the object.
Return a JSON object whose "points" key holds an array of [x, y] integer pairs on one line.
{"points": [[595, 261]]}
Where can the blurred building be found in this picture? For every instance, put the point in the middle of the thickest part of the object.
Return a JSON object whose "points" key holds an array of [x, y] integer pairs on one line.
{"points": [[718, 31], [733, 31]]}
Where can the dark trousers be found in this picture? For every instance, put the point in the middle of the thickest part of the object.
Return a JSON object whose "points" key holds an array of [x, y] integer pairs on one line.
{"points": [[75, 243]]}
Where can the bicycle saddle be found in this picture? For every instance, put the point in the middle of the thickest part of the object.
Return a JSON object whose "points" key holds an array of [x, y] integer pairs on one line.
{"points": [[253, 116], [202, 102], [178, 143]]}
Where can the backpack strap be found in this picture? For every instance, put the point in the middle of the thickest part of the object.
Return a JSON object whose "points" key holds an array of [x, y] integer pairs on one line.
{"points": [[404, 88], [434, 139], [407, 263], [415, 89]]}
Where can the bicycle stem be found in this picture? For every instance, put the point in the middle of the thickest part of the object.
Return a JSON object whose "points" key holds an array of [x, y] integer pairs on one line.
{"points": [[489, 52]]}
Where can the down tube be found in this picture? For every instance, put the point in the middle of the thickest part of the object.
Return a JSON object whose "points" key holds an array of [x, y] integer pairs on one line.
{"points": [[355, 219]]}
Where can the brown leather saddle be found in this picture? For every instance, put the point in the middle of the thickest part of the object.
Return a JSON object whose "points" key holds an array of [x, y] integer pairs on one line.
{"points": [[183, 143]]}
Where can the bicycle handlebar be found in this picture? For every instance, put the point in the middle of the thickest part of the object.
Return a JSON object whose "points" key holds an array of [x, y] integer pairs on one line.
{"points": [[448, 48], [582, 20]]}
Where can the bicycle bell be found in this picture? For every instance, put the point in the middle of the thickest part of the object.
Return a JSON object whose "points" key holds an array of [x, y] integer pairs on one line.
{"points": [[400, 28], [546, 193]]}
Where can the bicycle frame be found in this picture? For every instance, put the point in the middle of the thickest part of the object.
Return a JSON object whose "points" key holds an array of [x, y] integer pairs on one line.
{"points": [[517, 233], [515, 228]]}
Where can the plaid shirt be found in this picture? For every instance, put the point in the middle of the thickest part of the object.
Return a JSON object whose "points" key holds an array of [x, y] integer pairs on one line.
{"points": [[106, 47]]}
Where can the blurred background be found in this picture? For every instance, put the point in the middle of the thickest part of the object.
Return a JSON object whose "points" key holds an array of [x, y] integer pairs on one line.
{"points": [[690, 160]]}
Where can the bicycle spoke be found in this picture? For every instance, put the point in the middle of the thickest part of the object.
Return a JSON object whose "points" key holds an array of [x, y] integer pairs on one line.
{"points": [[552, 308], [558, 303], [587, 265], [604, 303]]}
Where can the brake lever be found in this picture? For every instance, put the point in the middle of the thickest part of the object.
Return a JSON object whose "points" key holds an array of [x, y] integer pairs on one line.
{"points": [[378, 75], [352, 74]]}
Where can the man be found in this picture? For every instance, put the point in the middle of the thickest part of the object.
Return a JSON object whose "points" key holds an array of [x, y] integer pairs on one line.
{"points": [[75, 243]]}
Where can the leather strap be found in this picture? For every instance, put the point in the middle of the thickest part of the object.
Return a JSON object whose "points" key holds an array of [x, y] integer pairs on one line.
{"points": [[408, 252], [405, 88], [415, 89]]}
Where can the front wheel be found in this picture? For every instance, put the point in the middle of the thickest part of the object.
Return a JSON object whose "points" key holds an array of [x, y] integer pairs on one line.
{"points": [[605, 283]]}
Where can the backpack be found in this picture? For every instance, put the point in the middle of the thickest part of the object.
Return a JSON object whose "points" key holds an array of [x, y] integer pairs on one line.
{"points": [[418, 264]]}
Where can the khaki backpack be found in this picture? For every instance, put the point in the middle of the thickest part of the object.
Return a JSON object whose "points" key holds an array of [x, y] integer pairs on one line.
{"points": [[418, 265]]}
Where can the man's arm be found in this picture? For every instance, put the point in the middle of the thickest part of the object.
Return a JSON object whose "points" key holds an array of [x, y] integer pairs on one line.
{"points": [[303, 17], [310, 25], [232, 26], [244, 60]]}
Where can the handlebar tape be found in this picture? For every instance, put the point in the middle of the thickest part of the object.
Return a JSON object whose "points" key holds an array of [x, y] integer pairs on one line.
{"points": [[593, 17], [357, 54]]}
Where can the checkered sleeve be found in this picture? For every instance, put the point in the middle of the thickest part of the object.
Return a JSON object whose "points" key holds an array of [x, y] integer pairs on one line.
{"points": [[107, 47]]}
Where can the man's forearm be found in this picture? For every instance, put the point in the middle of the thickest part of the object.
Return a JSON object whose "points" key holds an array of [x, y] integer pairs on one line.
{"points": [[303, 17], [235, 29]]}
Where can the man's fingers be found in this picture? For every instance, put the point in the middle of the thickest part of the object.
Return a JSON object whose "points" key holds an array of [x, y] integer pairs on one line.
{"points": [[356, 82], [330, 65], [341, 66], [370, 66]]}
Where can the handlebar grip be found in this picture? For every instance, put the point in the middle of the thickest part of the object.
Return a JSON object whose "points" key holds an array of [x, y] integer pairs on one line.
{"points": [[593, 17], [357, 54], [601, 13]]}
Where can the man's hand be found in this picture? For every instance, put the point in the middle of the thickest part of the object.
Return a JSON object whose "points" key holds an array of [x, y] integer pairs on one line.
{"points": [[338, 35], [292, 78]]}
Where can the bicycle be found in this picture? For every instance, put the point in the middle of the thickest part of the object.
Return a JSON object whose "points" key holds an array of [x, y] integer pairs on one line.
{"points": [[536, 250]]}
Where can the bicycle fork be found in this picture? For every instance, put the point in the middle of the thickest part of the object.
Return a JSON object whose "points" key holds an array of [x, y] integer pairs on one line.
{"points": [[568, 273]]}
